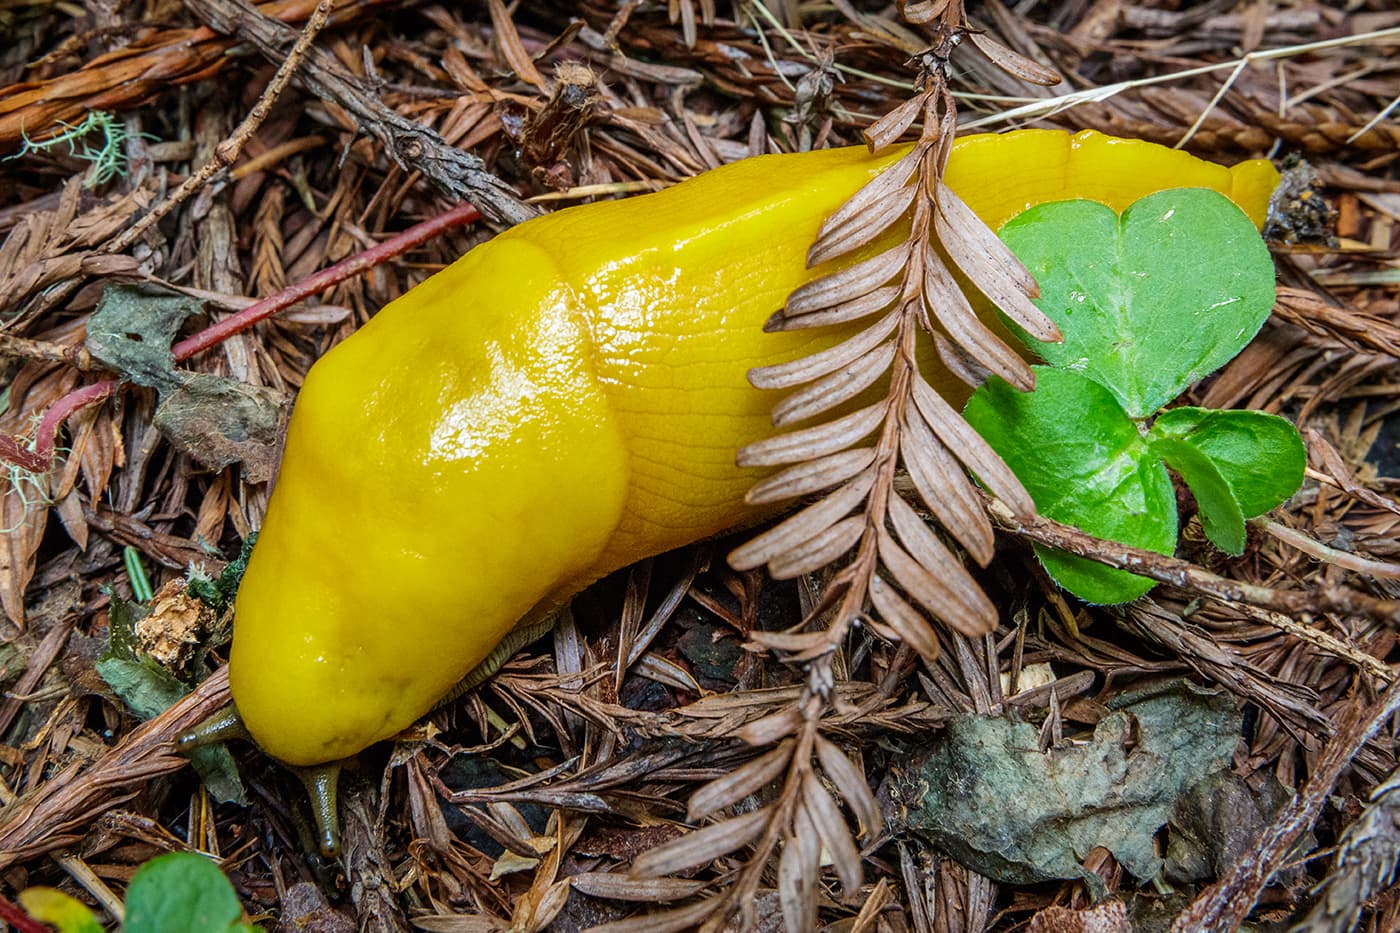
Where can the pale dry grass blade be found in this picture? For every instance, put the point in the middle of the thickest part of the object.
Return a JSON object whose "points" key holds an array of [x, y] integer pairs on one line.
{"points": [[700, 847], [837, 389], [816, 441], [801, 527], [812, 476]]}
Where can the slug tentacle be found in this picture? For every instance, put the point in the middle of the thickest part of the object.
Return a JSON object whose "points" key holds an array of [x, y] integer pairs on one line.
{"points": [[224, 726], [322, 782]]}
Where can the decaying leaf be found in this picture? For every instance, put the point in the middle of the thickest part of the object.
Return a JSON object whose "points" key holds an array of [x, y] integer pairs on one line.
{"points": [[216, 420], [1114, 790]]}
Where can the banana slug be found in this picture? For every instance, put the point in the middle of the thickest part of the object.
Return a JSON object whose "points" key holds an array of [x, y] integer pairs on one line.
{"points": [[562, 401]]}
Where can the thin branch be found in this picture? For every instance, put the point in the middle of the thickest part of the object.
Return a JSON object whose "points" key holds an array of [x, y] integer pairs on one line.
{"points": [[1166, 569], [227, 152]]}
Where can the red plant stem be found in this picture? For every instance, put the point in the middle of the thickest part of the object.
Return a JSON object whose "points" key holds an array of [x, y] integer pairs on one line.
{"points": [[40, 458]]}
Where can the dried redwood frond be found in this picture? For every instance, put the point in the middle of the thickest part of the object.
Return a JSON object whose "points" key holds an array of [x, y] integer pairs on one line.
{"points": [[812, 476], [900, 568]]}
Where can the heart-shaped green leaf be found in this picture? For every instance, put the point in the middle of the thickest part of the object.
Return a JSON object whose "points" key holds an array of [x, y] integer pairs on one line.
{"points": [[1084, 462], [1149, 302]]}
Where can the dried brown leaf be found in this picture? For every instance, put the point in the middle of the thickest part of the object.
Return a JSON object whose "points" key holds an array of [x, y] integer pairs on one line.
{"points": [[950, 306], [969, 447], [852, 310], [790, 641], [945, 489], [957, 362], [728, 790], [688, 917], [801, 527], [902, 621], [23, 517], [1012, 62], [924, 11], [825, 362], [826, 816], [920, 540], [818, 551], [851, 782], [816, 441], [874, 197], [700, 847], [989, 263], [854, 281], [812, 476], [512, 48], [772, 728], [946, 589], [837, 389], [860, 228], [798, 871], [618, 887], [892, 125]]}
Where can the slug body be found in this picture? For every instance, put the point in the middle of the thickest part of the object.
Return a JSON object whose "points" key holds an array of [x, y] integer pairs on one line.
{"points": [[564, 400]]}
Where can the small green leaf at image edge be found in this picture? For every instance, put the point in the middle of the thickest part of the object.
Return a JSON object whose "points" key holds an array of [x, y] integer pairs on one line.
{"points": [[66, 914], [181, 893]]}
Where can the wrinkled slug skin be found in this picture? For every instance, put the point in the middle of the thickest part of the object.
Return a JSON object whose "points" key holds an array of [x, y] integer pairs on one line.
{"points": [[562, 401]]}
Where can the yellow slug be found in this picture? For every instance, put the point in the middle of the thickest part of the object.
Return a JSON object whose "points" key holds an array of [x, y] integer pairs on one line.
{"points": [[562, 401]]}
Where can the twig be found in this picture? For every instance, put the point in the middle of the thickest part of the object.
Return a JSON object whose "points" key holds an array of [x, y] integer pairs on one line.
{"points": [[410, 144], [1222, 907], [1314, 548], [1054, 105], [1187, 576], [61, 810], [227, 152], [45, 351]]}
